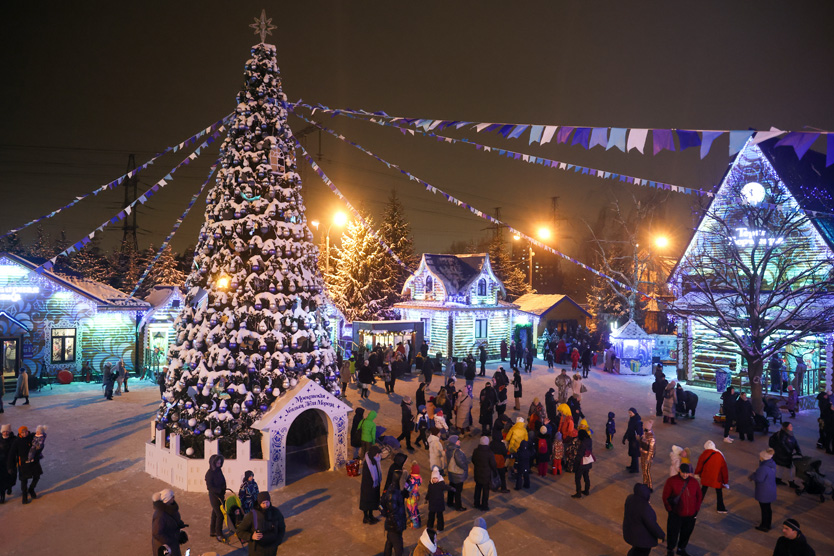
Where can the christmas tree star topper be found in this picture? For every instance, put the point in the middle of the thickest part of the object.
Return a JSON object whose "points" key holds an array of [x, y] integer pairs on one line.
{"points": [[263, 26]]}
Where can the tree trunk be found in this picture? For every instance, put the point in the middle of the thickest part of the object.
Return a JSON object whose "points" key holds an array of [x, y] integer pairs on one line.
{"points": [[755, 367]]}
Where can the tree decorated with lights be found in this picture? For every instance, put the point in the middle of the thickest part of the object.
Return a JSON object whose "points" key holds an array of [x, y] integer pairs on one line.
{"points": [[250, 327]]}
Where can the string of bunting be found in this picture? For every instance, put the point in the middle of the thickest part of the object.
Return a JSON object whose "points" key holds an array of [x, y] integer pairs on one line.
{"points": [[118, 181], [475, 211], [176, 227], [623, 138], [531, 159], [350, 207], [129, 208]]}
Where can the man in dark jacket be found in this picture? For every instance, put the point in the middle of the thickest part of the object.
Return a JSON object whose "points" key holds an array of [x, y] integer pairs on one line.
{"points": [[216, 486], [483, 466], [632, 435], [27, 469], [428, 371], [640, 527], [728, 400], [109, 377], [687, 401], [792, 542], [167, 524], [659, 387], [585, 359], [488, 399], [785, 446], [393, 508], [523, 461], [682, 499], [482, 357], [550, 406], [406, 420], [7, 478], [263, 528], [744, 417]]}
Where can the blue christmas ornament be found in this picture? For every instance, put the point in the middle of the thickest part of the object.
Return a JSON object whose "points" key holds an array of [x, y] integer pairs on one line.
{"points": [[264, 407], [231, 389]]}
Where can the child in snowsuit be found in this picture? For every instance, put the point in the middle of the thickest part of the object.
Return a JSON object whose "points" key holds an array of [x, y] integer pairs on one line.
{"points": [[558, 454], [436, 500], [440, 423], [422, 426], [610, 430], [543, 450]]}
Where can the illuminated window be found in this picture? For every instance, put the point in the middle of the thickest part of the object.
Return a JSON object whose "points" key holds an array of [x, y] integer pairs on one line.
{"points": [[481, 329], [63, 345], [429, 284], [482, 287]]}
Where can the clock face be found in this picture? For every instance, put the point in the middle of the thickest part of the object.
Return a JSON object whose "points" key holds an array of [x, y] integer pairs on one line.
{"points": [[753, 193]]}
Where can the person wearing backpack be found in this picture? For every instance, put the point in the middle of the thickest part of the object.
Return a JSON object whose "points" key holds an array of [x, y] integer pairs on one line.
{"points": [[543, 450], [682, 500]]}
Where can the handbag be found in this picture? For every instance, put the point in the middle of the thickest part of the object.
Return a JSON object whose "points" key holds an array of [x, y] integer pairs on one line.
{"points": [[495, 480], [183, 537], [675, 500], [588, 459]]}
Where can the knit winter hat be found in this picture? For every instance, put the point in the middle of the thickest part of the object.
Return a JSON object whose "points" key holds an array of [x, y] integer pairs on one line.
{"points": [[610, 414], [166, 495], [484, 441], [765, 455], [519, 419], [543, 430], [685, 468], [407, 400], [792, 523], [632, 410], [41, 429], [263, 496], [439, 413], [709, 445], [421, 408], [6, 428], [22, 430], [454, 439], [415, 468], [480, 522], [435, 474]]}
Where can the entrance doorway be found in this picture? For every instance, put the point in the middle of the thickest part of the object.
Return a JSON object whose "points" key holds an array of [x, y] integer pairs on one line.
{"points": [[307, 445], [10, 356]]}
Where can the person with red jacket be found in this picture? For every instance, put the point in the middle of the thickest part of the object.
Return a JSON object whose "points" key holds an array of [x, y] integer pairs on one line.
{"points": [[712, 470], [682, 499]]}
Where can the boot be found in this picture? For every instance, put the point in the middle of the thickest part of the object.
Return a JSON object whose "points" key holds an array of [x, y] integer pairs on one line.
{"points": [[13, 402], [32, 493], [26, 402]]}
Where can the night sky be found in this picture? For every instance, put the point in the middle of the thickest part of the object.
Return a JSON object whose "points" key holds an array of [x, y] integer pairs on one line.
{"points": [[85, 83]]}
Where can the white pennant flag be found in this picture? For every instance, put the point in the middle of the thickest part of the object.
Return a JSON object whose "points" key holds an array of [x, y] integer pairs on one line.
{"points": [[637, 139], [549, 132], [765, 135]]}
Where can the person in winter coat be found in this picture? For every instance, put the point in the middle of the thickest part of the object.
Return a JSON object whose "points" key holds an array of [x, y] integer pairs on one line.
{"points": [[483, 466], [550, 406], [365, 377], [427, 545], [585, 360], [397, 465], [687, 402], [437, 453], [356, 431], [659, 389], [7, 477], [793, 401], [785, 446], [523, 461], [713, 472], [563, 386], [109, 378], [535, 415], [574, 359], [682, 500], [792, 542], [393, 508], [764, 478], [368, 428], [632, 435], [517, 435], [640, 528], [263, 528], [420, 395], [610, 430], [248, 492], [499, 451], [371, 483], [167, 525], [582, 469], [216, 486], [22, 389], [513, 358], [478, 543], [728, 401], [482, 357], [517, 389], [503, 350], [575, 409], [670, 402], [458, 470], [463, 411], [27, 468], [647, 450], [488, 400], [744, 417], [412, 501], [435, 499], [675, 460], [406, 422]]}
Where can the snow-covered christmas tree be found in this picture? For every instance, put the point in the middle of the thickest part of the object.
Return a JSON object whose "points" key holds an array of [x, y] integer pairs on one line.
{"points": [[250, 327]]}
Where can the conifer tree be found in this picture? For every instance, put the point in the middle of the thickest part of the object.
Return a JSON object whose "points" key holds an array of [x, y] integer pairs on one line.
{"points": [[11, 244], [165, 271], [250, 327], [396, 232], [362, 285], [91, 262], [505, 269]]}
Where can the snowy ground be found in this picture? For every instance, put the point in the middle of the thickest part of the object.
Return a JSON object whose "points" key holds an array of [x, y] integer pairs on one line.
{"points": [[96, 499]]}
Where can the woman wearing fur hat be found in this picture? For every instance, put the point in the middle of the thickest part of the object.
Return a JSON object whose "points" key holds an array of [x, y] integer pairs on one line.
{"points": [[670, 403], [166, 530], [263, 528], [427, 545], [7, 478], [765, 478]]}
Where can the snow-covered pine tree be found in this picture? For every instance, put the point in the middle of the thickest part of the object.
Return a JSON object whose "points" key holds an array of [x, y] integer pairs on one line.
{"points": [[12, 244], [165, 271], [41, 247], [91, 262], [250, 327], [128, 263], [362, 286], [396, 232]]}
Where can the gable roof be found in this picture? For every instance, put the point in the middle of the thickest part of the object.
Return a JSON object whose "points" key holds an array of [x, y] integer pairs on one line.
{"points": [[457, 272], [629, 331], [306, 389], [539, 304], [102, 294], [807, 180]]}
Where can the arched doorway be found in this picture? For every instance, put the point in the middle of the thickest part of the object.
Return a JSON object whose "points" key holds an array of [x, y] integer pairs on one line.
{"points": [[307, 445]]}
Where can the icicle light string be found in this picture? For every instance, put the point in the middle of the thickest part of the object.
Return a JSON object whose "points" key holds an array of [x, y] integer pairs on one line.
{"points": [[531, 159], [120, 180], [128, 209], [349, 206], [476, 212], [176, 227]]}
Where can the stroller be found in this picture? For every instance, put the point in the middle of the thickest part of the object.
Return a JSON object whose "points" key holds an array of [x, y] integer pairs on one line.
{"points": [[772, 411], [232, 512], [813, 481]]}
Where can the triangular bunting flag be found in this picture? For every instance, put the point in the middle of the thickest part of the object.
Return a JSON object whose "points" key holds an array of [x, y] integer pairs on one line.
{"points": [[765, 135], [662, 139], [688, 139], [637, 139], [737, 140], [706, 141], [535, 134], [617, 138], [800, 141], [599, 136], [549, 131]]}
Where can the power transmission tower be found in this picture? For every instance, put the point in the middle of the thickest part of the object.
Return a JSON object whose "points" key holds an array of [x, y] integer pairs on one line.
{"points": [[130, 227]]}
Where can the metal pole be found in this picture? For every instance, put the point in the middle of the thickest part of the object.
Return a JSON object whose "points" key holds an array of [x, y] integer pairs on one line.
{"points": [[531, 265], [327, 263]]}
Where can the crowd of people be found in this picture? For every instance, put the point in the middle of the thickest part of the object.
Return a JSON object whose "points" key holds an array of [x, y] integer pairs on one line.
{"points": [[553, 439]]}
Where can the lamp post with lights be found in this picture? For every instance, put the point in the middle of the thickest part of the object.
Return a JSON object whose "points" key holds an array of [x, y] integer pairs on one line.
{"points": [[339, 220]]}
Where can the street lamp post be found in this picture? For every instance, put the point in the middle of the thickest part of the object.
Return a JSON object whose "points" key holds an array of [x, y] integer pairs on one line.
{"points": [[544, 234], [339, 219]]}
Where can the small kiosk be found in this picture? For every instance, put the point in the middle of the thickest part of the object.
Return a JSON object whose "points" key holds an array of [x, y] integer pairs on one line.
{"points": [[634, 347]]}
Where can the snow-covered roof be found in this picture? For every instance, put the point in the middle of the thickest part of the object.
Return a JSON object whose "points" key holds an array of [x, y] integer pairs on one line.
{"points": [[457, 272], [538, 304], [160, 294], [630, 331], [104, 295], [309, 394], [448, 306]]}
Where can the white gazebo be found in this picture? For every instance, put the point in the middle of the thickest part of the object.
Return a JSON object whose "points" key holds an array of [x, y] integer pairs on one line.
{"points": [[634, 347], [309, 420]]}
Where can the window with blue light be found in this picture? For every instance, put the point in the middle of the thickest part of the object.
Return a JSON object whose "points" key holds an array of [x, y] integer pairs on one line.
{"points": [[481, 329], [63, 345], [482, 289]]}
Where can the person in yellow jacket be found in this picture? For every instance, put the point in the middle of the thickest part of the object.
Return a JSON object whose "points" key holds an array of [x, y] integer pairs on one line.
{"points": [[516, 434]]}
